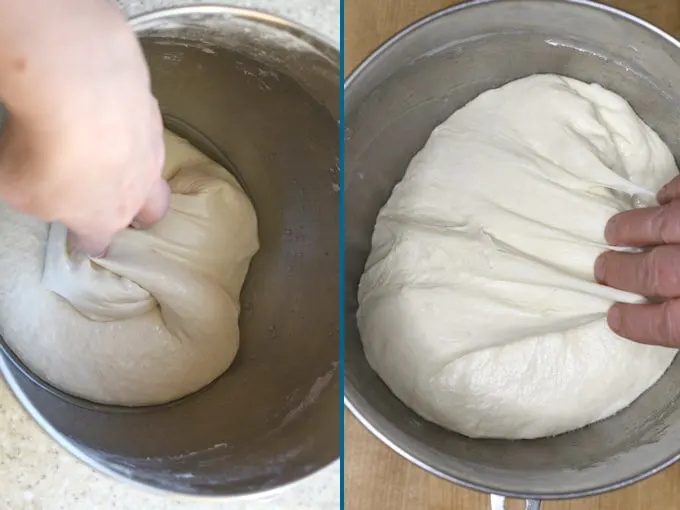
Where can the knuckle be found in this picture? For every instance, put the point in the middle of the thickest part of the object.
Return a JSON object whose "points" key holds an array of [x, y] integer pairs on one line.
{"points": [[669, 326], [663, 271], [669, 222], [648, 271]]}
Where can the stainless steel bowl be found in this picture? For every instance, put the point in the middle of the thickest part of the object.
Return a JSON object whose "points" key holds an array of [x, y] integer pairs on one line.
{"points": [[392, 103], [260, 95]]}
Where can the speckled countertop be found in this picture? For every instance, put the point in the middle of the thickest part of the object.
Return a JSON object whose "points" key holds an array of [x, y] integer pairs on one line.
{"points": [[36, 474]]}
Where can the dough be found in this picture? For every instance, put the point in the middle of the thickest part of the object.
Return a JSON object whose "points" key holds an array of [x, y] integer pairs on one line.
{"points": [[478, 306], [157, 318]]}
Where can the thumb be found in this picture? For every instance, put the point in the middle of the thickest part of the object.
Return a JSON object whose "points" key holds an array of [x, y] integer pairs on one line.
{"points": [[155, 205]]}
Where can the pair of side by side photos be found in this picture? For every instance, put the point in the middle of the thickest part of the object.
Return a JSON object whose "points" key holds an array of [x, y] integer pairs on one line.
{"points": [[420, 304]]}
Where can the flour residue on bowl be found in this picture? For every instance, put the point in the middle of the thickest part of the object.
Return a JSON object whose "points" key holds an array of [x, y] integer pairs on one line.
{"points": [[312, 395]]}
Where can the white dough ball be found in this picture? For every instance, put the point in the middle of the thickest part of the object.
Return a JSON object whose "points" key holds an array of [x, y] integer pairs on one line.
{"points": [[478, 305], [154, 320]]}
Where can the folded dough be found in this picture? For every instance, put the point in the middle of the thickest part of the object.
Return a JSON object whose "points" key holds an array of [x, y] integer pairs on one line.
{"points": [[478, 305], [157, 318]]}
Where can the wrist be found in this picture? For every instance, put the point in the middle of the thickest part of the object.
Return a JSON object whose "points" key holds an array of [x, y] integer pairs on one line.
{"points": [[54, 56]]}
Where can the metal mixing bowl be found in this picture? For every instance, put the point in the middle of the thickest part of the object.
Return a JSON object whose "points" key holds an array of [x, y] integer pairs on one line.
{"points": [[260, 95], [392, 103]]}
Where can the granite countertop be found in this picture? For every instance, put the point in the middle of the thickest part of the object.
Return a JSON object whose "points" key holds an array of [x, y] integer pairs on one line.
{"points": [[36, 474]]}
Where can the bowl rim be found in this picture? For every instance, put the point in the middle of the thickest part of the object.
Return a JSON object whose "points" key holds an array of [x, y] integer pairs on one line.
{"points": [[352, 396], [9, 360], [320, 42]]}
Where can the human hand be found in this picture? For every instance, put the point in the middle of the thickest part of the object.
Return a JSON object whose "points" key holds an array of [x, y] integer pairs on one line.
{"points": [[654, 272], [84, 142]]}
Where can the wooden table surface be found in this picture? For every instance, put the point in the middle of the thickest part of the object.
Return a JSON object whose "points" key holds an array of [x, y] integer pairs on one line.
{"points": [[375, 477]]}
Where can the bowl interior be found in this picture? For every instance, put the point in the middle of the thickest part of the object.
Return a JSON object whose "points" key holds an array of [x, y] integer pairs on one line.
{"points": [[274, 416], [392, 103]]}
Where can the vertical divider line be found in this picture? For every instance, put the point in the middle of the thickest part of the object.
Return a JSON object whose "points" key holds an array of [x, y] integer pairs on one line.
{"points": [[341, 233]]}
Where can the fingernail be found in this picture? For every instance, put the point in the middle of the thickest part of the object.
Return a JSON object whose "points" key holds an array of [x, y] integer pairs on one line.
{"points": [[662, 195], [610, 229], [614, 318], [600, 268], [135, 224]]}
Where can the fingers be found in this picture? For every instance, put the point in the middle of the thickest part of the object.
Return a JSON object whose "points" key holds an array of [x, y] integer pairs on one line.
{"points": [[654, 324], [669, 192], [96, 243], [645, 227], [654, 273], [155, 206]]}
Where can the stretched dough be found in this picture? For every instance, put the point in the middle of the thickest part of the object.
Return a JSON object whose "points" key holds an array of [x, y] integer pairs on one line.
{"points": [[154, 320], [478, 306]]}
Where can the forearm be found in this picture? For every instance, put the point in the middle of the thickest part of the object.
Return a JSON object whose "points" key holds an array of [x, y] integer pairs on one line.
{"points": [[45, 43]]}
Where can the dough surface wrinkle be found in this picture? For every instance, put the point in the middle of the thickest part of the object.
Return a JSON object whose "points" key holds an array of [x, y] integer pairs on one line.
{"points": [[478, 305], [154, 320]]}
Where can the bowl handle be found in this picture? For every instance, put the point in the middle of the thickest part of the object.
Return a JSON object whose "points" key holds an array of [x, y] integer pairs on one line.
{"points": [[498, 503]]}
